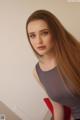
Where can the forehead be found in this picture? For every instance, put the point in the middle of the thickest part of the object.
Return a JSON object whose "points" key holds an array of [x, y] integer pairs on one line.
{"points": [[37, 25]]}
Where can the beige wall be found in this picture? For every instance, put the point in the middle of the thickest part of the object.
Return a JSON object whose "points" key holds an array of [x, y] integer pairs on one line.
{"points": [[18, 88]]}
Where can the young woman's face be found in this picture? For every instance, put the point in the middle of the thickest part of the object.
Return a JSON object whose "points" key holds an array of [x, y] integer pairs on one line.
{"points": [[40, 37]]}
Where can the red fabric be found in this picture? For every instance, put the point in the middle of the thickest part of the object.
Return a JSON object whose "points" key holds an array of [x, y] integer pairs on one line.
{"points": [[67, 111], [49, 104]]}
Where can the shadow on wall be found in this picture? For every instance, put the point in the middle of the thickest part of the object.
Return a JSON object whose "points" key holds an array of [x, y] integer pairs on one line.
{"points": [[6, 113]]}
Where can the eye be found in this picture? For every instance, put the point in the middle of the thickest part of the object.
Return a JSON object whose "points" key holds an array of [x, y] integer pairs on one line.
{"points": [[32, 36], [45, 33]]}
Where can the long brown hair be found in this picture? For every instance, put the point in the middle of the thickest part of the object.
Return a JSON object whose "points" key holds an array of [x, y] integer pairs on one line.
{"points": [[67, 49]]}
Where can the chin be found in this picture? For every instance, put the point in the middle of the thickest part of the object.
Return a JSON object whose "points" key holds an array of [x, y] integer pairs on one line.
{"points": [[41, 54]]}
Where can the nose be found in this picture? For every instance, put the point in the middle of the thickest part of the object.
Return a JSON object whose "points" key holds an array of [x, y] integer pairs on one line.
{"points": [[39, 39]]}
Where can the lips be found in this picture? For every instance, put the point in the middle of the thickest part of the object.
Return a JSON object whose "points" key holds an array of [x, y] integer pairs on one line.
{"points": [[41, 47]]}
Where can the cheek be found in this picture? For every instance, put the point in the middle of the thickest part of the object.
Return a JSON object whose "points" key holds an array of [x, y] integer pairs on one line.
{"points": [[33, 44], [50, 41]]}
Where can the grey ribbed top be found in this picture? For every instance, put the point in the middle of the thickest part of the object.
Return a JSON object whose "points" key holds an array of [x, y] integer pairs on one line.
{"points": [[57, 89]]}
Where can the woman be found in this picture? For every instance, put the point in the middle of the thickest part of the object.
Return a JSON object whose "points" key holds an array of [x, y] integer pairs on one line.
{"points": [[58, 68]]}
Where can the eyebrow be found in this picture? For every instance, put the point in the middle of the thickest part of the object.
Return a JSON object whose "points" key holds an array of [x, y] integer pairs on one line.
{"points": [[40, 31]]}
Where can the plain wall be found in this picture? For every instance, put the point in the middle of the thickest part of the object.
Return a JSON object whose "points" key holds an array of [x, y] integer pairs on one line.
{"points": [[18, 88]]}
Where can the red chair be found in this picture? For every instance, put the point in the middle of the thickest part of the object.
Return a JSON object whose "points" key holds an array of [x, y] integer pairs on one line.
{"points": [[67, 111]]}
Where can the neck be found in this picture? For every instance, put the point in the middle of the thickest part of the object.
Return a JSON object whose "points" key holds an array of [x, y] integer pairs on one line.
{"points": [[47, 62], [47, 58]]}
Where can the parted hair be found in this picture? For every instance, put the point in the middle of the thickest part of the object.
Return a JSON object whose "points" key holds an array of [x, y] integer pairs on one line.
{"points": [[67, 49]]}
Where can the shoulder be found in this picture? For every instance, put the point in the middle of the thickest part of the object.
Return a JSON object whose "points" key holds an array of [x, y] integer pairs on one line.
{"points": [[34, 71], [35, 74]]}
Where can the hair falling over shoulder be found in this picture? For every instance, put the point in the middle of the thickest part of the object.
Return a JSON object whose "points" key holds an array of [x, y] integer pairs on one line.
{"points": [[67, 49]]}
